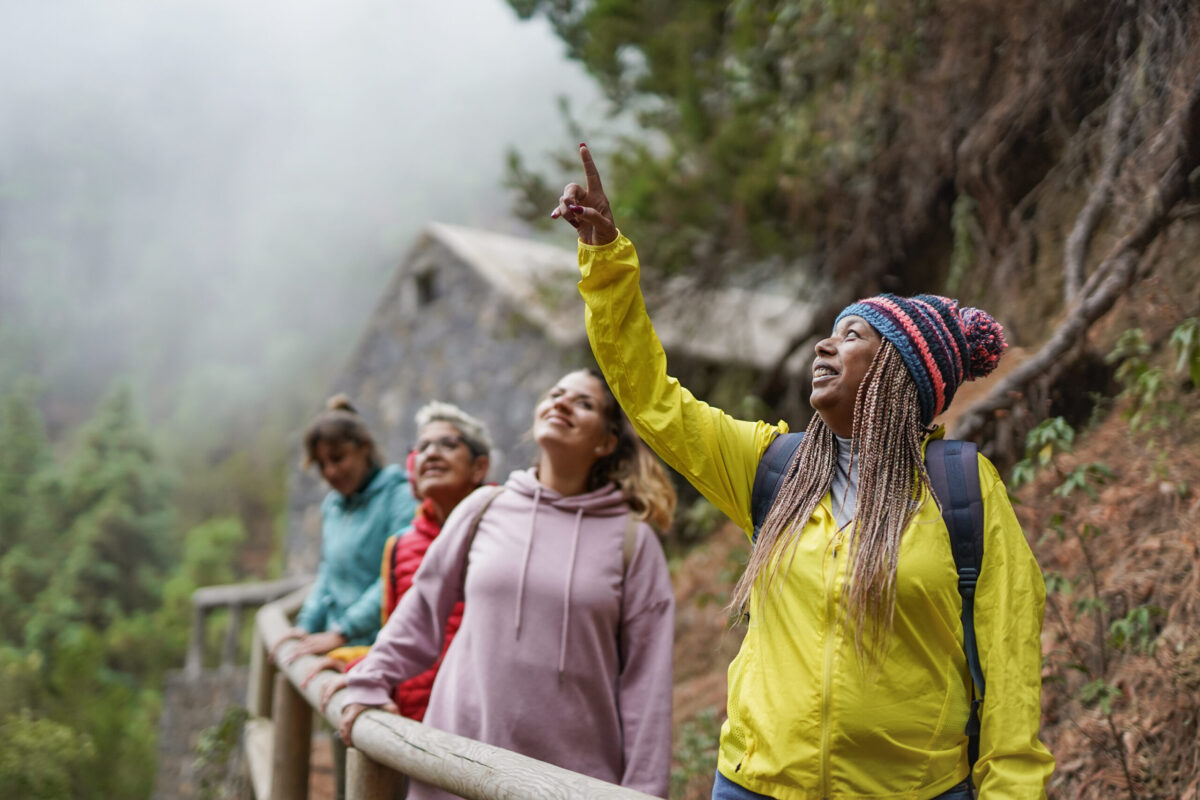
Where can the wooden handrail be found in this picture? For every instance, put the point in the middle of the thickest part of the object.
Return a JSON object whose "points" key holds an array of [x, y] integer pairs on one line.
{"points": [[235, 597], [468, 768]]}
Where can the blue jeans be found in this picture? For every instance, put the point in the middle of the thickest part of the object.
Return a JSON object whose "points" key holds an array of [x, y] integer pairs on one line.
{"points": [[725, 789]]}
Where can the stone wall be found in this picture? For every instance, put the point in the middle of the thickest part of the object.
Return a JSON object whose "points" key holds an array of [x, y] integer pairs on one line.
{"points": [[440, 332]]}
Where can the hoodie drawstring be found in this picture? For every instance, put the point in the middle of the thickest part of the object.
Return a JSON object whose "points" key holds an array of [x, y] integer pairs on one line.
{"points": [[562, 648], [537, 496]]}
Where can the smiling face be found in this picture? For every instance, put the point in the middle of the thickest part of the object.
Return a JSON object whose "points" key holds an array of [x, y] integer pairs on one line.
{"points": [[444, 468], [343, 465], [842, 360], [571, 419]]}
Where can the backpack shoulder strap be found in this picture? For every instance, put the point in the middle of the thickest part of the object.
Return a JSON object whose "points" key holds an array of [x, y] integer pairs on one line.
{"points": [[769, 475], [628, 543], [954, 474], [496, 490]]}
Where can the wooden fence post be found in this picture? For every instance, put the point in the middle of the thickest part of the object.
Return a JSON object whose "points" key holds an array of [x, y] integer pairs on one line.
{"points": [[368, 780], [292, 744], [229, 649], [261, 683], [195, 653]]}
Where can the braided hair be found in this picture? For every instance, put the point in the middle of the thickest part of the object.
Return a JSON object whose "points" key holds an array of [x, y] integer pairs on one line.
{"points": [[888, 433]]}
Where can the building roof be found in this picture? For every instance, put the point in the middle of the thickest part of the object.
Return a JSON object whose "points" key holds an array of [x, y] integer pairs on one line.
{"points": [[712, 324]]}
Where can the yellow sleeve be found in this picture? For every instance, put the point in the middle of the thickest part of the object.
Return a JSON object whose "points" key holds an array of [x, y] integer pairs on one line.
{"points": [[715, 452], [1009, 602]]}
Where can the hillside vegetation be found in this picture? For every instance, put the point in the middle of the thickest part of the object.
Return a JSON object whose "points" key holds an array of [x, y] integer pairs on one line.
{"points": [[1038, 159]]}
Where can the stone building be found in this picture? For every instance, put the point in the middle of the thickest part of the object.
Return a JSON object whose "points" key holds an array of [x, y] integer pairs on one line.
{"points": [[489, 322]]}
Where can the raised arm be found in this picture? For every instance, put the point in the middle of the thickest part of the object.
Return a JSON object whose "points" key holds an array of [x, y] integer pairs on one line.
{"points": [[715, 452]]}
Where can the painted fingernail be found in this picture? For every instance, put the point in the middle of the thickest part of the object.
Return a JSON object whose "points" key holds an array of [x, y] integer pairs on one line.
{"points": [[576, 209], [583, 144], [554, 214]]}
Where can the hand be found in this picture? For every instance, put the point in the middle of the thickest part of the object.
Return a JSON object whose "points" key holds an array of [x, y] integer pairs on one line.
{"points": [[331, 688], [350, 714], [292, 633], [322, 665], [316, 644], [587, 209]]}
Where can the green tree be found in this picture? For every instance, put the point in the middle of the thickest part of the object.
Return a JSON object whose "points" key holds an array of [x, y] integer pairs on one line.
{"points": [[751, 115], [116, 517], [29, 491]]}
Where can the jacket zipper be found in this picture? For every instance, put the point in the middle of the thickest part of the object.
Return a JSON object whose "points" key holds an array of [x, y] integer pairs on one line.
{"points": [[827, 672]]}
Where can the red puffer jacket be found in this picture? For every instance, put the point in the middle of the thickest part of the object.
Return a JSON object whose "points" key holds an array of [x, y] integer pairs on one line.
{"points": [[402, 554]]}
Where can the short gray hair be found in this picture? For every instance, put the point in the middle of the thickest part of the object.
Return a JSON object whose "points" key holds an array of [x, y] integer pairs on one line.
{"points": [[474, 431]]}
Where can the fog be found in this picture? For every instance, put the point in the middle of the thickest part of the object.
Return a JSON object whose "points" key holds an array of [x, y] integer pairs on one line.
{"points": [[206, 196]]}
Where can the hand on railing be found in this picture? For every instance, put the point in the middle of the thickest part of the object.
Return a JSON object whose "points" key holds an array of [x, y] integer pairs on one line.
{"points": [[331, 688], [350, 714], [322, 665], [311, 644], [289, 635]]}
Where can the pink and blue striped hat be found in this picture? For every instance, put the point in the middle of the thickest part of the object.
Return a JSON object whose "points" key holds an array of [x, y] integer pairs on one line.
{"points": [[941, 344]]}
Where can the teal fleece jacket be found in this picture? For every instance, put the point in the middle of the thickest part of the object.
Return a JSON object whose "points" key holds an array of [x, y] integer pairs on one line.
{"points": [[348, 591]]}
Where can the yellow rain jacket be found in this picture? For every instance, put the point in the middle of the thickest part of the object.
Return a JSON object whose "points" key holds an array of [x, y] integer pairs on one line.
{"points": [[806, 720]]}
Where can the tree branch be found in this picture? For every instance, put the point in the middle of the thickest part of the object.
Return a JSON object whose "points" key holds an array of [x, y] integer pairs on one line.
{"points": [[1113, 149], [1113, 275]]}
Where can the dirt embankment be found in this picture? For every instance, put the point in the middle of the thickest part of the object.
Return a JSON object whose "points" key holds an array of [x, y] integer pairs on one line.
{"points": [[1121, 682]]}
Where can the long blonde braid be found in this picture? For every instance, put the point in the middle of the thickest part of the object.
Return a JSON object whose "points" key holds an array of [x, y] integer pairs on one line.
{"points": [[888, 434]]}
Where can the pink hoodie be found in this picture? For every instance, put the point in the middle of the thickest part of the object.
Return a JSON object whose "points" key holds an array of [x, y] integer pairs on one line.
{"points": [[554, 659]]}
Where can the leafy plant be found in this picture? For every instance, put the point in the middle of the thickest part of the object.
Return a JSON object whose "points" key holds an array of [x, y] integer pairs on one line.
{"points": [[1099, 693], [1084, 477], [1049, 437], [1186, 341], [1136, 630], [695, 750]]}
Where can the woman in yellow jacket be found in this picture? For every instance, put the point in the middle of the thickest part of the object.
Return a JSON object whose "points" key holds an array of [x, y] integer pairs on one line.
{"points": [[851, 681]]}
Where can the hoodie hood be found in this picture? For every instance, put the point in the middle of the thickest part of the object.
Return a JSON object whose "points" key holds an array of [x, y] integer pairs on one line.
{"points": [[383, 480], [607, 501]]}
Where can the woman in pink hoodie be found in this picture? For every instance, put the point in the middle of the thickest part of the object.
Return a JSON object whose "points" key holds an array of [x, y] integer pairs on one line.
{"points": [[564, 653]]}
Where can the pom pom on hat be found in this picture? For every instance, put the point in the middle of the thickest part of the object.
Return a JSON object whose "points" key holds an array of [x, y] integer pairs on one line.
{"points": [[941, 344], [985, 341]]}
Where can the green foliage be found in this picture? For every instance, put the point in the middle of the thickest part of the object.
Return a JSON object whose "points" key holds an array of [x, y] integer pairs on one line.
{"points": [[91, 611], [965, 228], [1137, 630], [1049, 437], [749, 113], [1186, 341], [1100, 693], [216, 744], [1084, 477], [41, 759], [1146, 387], [695, 750]]}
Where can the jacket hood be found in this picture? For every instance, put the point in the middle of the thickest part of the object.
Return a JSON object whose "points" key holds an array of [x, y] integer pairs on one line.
{"points": [[607, 501], [384, 479]]}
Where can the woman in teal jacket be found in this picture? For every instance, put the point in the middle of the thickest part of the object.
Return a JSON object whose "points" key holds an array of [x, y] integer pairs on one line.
{"points": [[369, 503]]}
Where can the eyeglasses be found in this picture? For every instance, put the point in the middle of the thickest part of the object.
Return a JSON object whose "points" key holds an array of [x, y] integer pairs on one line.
{"points": [[445, 444]]}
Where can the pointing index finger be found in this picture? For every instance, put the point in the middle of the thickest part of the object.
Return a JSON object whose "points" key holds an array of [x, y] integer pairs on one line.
{"points": [[589, 169]]}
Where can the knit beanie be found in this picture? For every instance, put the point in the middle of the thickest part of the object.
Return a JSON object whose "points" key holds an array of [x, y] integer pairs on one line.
{"points": [[941, 344]]}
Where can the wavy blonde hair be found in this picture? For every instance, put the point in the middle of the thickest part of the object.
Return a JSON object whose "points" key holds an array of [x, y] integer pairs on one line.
{"points": [[631, 465]]}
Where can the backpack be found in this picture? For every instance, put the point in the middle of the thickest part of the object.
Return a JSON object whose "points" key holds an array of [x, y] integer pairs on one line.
{"points": [[954, 474]]}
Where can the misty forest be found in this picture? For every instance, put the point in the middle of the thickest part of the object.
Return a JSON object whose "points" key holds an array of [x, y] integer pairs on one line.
{"points": [[202, 205]]}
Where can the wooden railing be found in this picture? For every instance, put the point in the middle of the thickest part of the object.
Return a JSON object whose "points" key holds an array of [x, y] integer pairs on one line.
{"points": [[236, 597], [387, 746]]}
